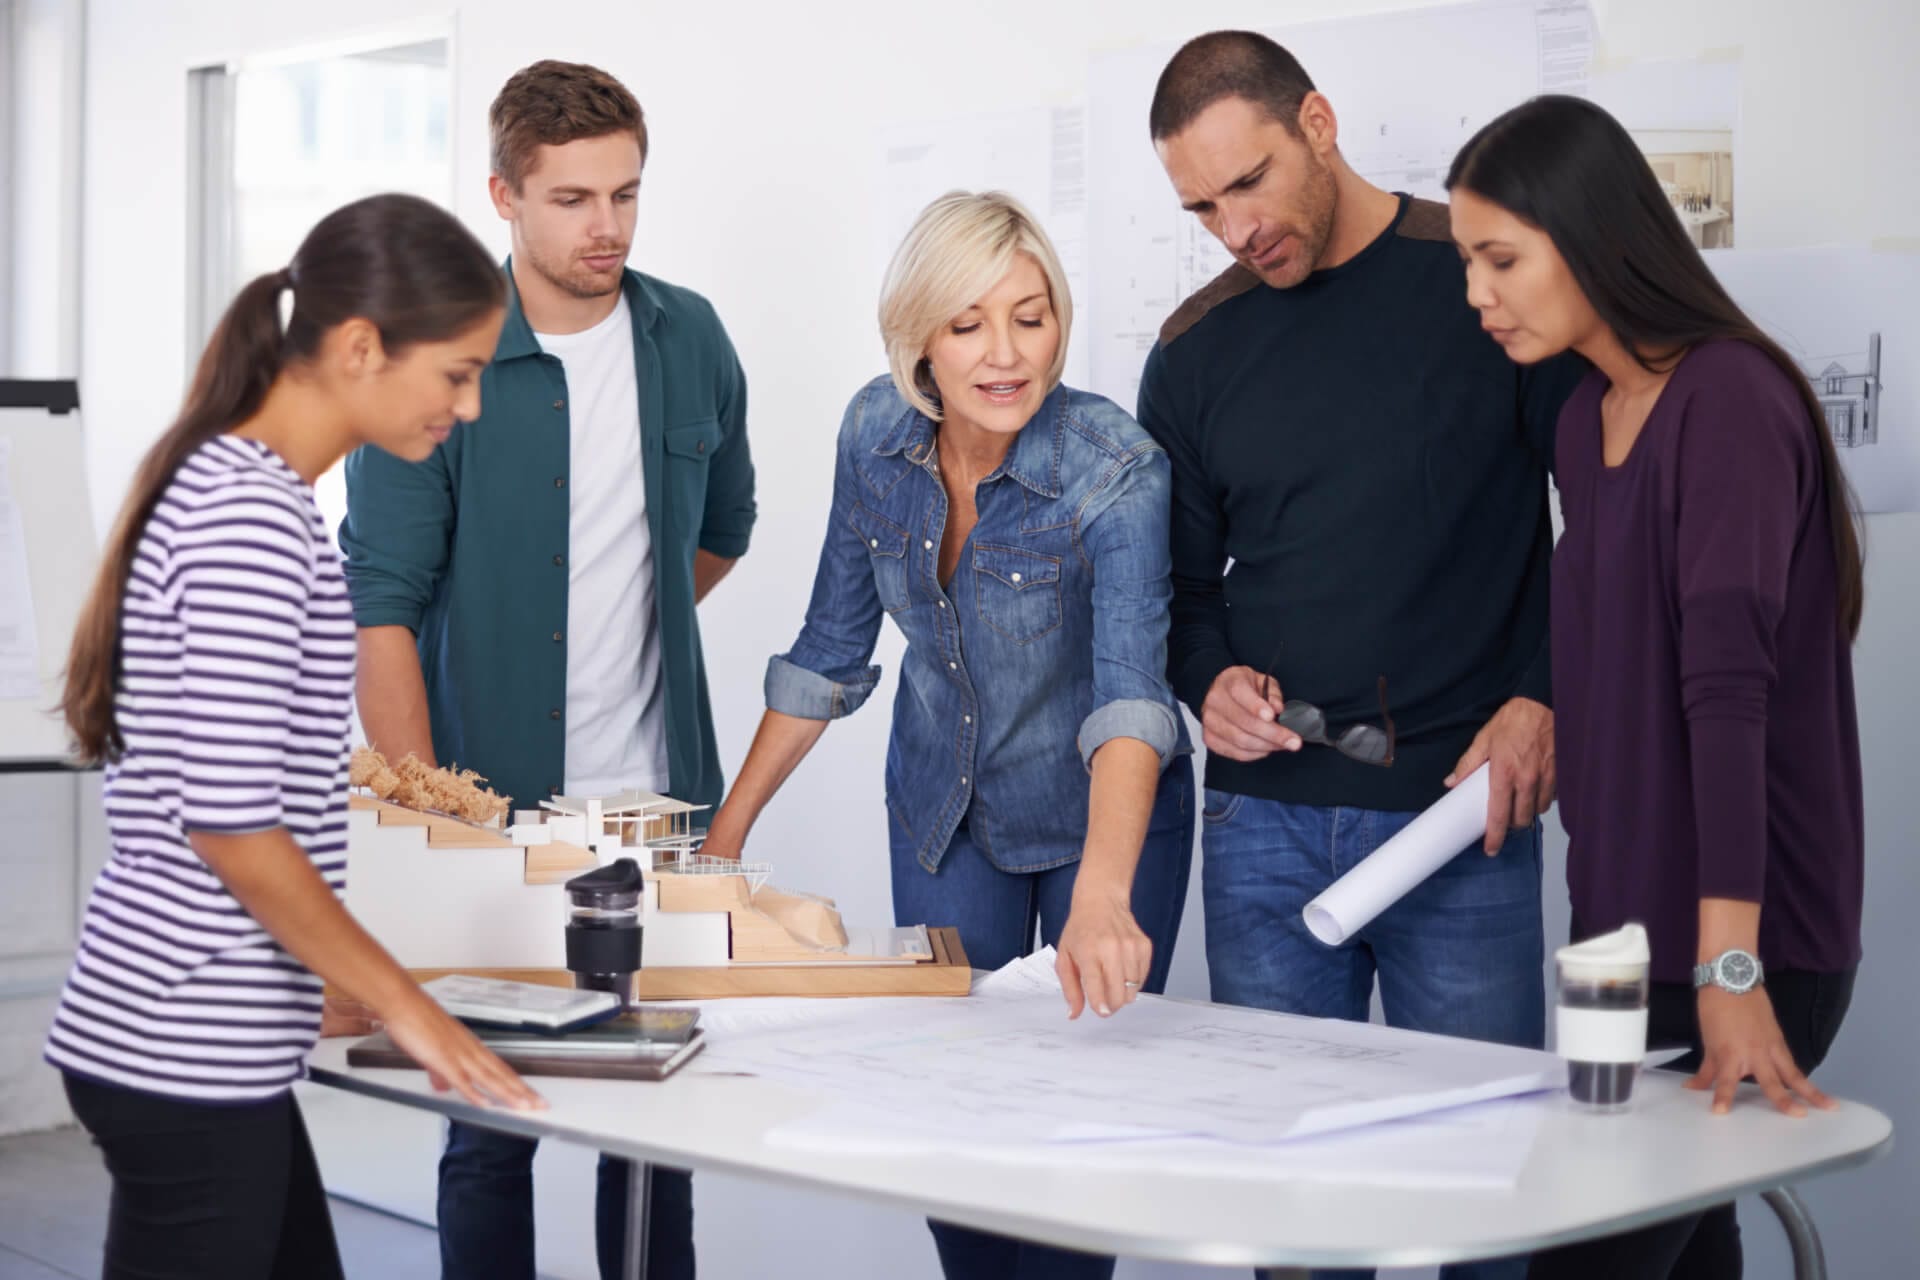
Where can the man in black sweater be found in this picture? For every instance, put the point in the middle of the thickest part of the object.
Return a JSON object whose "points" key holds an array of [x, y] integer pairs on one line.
{"points": [[1360, 522]]}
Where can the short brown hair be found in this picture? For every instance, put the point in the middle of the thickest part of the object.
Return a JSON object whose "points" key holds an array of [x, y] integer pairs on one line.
{"points": [[1228, 64], [552, 103]]}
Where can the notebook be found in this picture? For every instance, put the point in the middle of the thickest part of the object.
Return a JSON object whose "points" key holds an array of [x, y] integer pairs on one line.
{"points": [[520, 1006], [537, 1057]]}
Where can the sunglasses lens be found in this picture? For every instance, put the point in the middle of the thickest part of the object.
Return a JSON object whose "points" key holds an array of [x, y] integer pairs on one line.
{"points": [[1363, 743], [1304, 719]]}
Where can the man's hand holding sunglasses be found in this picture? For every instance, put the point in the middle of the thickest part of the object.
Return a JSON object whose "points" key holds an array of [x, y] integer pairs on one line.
{"points": [[1521, 784], [1239, 718]]}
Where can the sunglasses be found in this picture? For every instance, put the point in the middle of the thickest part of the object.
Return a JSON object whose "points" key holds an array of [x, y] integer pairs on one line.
{"points": [[1364, 743]]}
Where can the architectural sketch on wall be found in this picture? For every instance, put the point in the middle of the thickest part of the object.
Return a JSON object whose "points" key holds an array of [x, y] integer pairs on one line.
{"points": [[1851, 400], [1090, 174], [1846, 316]]}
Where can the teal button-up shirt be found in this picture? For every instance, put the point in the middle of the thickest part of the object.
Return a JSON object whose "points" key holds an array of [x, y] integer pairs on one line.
{"points": [[469, 549]]}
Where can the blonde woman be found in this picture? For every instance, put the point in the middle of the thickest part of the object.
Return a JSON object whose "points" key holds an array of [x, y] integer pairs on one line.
{"points": [[1016, 531]]}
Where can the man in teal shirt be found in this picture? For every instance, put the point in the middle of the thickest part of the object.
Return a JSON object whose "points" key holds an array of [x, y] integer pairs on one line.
{"points": [[526, 597]]}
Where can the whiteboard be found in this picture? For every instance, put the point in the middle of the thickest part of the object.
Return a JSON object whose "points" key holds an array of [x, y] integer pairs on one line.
{"points": [[47, 560]]}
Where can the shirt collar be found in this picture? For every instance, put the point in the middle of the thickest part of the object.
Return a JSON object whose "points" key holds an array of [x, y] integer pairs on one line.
{"points": [[517, 337], [1034, 460]]}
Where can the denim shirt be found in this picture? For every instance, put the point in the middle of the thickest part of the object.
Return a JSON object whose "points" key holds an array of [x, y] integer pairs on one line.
{"points": [[1050, 640]]}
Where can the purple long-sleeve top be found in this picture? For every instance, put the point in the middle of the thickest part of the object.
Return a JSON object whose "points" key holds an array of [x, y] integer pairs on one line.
{"points": [[1705, 724]]}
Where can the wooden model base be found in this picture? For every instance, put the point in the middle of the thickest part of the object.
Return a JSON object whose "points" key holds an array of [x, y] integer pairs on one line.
{"points": [[947, 974]]}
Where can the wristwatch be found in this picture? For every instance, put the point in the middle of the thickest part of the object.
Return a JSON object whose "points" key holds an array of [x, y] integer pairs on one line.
{"points": [[1734, 971]]}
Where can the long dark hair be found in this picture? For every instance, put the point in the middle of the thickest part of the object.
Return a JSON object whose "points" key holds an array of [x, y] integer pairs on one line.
{"points": [[1567, 167], [398, 261]]}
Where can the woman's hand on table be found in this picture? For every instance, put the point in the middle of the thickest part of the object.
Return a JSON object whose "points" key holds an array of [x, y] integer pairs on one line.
{"points": [[1742, 1038], [454, 1058], [1103, 955]]}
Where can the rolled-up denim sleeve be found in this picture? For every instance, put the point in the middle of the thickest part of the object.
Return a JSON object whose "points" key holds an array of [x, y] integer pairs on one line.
{"points": [[829, 671], [1123, 535], [396, 534]]}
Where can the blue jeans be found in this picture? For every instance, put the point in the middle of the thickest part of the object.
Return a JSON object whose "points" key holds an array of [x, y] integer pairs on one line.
{"points": [[486, 1211], [1461, 955], [996, 912]]}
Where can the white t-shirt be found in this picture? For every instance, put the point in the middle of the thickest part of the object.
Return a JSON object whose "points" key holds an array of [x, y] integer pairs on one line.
{"points": [[616, 715]]}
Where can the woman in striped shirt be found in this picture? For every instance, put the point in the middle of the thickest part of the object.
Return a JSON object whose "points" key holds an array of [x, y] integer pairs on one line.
{"points": [[213, 672]]}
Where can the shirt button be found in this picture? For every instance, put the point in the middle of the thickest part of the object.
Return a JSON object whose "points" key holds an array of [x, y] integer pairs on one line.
{"points": [[559, 404], [554, 790], [943, 604], [953, 666], [554, 714], [556, 637], [968, 719], [963, 779], [700, 446], [874, 543], [559, 561], [1016, 577], [559, 482], [928, 544]]}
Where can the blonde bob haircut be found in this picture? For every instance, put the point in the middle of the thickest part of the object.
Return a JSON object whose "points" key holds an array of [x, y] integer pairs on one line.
{"points": [[959, 248]]}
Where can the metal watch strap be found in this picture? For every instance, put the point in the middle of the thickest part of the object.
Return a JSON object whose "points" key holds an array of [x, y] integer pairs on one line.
{"points": [[1708, 974]]}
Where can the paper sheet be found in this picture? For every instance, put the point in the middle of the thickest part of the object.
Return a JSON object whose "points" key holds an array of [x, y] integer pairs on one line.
{"points": [[1481, 1147], [1011, 1067], [19, 637], [1390, 872]]}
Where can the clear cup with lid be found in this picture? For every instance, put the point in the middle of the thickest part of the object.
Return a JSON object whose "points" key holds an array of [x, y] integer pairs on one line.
{"points": [[1600, 1016]]}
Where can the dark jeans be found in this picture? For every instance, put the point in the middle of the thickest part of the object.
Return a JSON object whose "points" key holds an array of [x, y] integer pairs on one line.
{"points": [[208, 1192], [1703, 1246], [996, 912], [486, 1211]]}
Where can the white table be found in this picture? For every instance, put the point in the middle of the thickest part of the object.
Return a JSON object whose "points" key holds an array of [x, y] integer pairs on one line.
{"points": [[1588, 1176]]}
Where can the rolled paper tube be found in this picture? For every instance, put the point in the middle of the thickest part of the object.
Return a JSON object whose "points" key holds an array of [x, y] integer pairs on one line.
{"points": [[1390, 872]]}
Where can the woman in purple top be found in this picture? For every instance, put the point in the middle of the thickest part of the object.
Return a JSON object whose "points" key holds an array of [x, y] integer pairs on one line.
{"points": [[1705, 597]]}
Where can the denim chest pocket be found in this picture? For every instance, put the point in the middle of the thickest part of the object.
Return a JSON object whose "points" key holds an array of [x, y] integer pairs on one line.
{"points": [[886, 544], [1017, 592]]}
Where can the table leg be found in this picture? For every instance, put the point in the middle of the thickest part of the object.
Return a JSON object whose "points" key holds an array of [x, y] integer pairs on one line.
{"points": [[639, 1195], [1281, 1273], [1809, 1259]]}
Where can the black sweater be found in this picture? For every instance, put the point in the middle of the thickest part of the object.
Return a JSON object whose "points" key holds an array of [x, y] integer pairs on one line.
{"points": [[1360, 490]]}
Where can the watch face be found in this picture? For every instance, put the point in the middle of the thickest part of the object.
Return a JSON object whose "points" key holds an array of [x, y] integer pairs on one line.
{"points": [[1737, 970]]}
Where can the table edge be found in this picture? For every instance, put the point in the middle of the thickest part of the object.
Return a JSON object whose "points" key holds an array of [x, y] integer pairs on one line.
{"points": [[1152, 1247]]}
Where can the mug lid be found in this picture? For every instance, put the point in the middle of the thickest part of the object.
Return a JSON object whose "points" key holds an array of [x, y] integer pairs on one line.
{"points": [[615, 885], [1621, 955]]}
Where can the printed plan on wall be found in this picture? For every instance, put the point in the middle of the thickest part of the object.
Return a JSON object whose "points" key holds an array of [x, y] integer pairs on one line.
{"points": [[1089, 172], [1846, 314]]}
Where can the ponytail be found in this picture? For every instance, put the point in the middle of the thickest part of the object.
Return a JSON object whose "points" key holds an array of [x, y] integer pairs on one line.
{"points": [[401, 262]]}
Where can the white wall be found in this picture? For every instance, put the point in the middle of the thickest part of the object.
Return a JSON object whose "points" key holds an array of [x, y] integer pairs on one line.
{"points": [[761, 192]]}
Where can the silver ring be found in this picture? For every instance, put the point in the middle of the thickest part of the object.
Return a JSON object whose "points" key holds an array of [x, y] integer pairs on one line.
{"points": [[1131, 986]]}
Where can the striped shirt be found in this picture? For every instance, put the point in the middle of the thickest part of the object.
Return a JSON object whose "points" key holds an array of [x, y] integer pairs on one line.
{"points": [[236, 684]]}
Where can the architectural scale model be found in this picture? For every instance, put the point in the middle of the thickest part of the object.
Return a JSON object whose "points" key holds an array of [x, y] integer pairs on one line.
{"points": [[445, 892]]}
